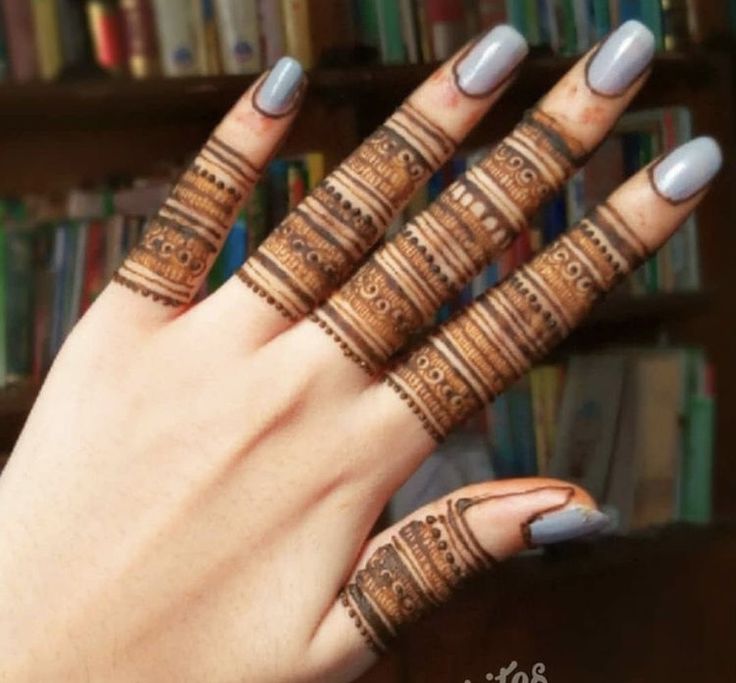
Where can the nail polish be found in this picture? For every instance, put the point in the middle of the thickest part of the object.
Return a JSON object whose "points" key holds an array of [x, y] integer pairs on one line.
{"points": [[280, 90], [687, 170], [490, 61], [566, 525], [621, 59]]}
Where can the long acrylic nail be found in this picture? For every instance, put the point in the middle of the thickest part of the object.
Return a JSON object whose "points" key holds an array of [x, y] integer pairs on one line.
{"points": [[279, 91], [687, 170], [490, 61], [566, 525], [621, 59]]}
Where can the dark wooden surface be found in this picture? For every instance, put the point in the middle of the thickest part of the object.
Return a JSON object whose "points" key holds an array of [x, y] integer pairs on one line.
{"points": [[655, 608]]}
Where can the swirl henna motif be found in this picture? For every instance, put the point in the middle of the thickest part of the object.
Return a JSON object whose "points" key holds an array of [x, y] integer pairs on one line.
{"points": [[398, 290], [422, 567], [489, 345], [182, 240], [317, 246]]}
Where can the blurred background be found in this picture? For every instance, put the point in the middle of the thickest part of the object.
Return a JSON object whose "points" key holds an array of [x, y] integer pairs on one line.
{"points": [[102, 105]]}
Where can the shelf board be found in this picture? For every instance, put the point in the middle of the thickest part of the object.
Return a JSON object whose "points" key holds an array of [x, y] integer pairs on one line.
{"points": [[620, 309], [121, 102]]}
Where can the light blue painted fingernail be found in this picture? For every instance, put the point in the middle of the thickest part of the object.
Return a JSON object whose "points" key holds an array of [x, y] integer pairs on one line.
{"points": [[566, 525], [621, 59], [279, 91], [688, 169], [490, 61]]}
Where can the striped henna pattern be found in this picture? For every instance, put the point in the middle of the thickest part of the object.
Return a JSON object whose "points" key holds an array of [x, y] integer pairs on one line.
{"points": [[489, 345], [399, 290], [422, 566], [181, 242], [319, 244]]}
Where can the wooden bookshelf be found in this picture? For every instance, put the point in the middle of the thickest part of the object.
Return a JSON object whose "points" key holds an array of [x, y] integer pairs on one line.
{"points": [[654, 607]]}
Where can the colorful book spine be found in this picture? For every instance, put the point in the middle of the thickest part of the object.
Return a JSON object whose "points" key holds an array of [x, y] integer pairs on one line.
{"points": [[140, 38], [389, 32], [447, 27], [410, 31], [48, 39], [272, 31], [298, 32], [21, 40], [239, 36], [179, 27], [106, 26]]}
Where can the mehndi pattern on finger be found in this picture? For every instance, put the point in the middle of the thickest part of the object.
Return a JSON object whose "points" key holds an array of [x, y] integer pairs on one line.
{"points": [[183, 239], [489, 345], [318, 245], [422, 566], [401, 287]]}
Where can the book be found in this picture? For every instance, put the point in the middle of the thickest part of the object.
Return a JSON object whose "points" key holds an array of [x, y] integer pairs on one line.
{"points": [[47, 38], [410, 31], [390, 32], [76, 46], [140, 38], [21, 40], [239, 32], [208, 38], [446, 27], [491, 13], [272, 31], [298, 32], [106, 25], [588, 420], [179, 32]]}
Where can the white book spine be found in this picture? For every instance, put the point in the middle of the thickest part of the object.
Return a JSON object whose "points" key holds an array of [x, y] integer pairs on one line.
{"points": [[176, 23], [240, 40]]}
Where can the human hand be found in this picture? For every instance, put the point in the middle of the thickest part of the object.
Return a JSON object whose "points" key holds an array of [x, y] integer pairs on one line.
{"points": [[193, 494]]}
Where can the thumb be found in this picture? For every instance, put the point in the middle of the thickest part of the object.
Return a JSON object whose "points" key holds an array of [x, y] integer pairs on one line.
{"points": [[418, 563]]}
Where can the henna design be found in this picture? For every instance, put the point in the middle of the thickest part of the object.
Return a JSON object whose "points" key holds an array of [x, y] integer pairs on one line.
{"points": [[317, 246], [421, 568], [182, 240], [489, 345], [398, 290]]}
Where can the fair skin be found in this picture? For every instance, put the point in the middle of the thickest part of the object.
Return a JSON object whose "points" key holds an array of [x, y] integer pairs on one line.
{"points": [[194, 486]]}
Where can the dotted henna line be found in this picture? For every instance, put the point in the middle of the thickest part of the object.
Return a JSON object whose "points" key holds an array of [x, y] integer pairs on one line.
{"points": [[353, 614], [257, 289], [429, 258], [344, 347], [146, 292], [437, 436]]}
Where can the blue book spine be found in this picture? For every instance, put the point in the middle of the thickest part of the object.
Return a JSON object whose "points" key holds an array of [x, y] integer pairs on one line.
{"points": [[630, 9], [554, 218], [235, 247]]}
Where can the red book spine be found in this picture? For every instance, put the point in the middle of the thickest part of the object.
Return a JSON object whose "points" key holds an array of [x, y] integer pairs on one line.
{"points": [[140, 37]]}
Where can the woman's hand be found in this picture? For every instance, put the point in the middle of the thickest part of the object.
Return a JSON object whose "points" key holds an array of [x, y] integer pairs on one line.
{"points": [[192, 495]]}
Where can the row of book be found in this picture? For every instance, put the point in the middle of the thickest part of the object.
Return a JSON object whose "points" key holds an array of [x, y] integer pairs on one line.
{"points": [[633, 426], [56, 255], [50, 39], [430, 30], [69, 39]]}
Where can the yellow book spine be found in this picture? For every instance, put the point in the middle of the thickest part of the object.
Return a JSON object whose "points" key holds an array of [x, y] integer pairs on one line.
{"points": [[48, 40], [297, 31]]}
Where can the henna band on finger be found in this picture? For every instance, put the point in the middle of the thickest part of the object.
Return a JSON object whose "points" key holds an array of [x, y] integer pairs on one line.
{"points": [[423, 565], [401, 287], [485, 348], [183, 239], [319, 244]]}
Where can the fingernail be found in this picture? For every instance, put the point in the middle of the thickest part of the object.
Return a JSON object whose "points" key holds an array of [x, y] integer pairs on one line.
{"points": [[278, 93], [490, 61], [688, 169], [566, 525], [621, 59]]}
